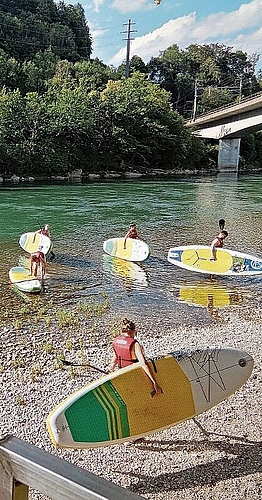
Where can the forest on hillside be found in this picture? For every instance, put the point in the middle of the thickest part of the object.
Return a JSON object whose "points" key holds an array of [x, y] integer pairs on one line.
{"points": [[61, 110]]}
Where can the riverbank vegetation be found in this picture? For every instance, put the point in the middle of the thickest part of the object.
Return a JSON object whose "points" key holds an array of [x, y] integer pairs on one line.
{"points": [[61, 110]]}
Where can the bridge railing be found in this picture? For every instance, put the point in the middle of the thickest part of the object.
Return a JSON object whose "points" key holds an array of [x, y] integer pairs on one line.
{"points": [[226, 106], [24, 466]]}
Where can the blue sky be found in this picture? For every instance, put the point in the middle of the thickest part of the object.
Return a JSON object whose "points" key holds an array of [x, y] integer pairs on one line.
{"points": [[231, 22]]}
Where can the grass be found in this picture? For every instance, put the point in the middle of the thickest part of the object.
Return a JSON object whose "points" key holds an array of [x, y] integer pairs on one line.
{"points": [[73, 328]]}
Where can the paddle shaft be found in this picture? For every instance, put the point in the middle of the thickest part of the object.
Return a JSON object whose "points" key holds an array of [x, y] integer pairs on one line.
{"points": [[71, 363]]}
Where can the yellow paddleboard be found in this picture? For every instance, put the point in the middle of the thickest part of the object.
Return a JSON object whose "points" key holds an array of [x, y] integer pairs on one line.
{"points": [[197, 258], [24, 281], [31, 242], [135, 250], [119, 407]]}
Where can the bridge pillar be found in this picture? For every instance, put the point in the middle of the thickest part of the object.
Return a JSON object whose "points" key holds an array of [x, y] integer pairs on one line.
{"points": [[228, 155]]}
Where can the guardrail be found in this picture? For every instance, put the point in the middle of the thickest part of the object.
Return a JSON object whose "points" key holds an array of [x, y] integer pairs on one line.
{"points": [[226, 106], [24, 466]]}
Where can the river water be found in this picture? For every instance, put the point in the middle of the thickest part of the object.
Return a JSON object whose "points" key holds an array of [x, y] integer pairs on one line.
{"points": [[167, 212]]}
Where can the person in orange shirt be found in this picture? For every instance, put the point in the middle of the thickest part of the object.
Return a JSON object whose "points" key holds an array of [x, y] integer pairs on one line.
{"points": [[127, 351], [131, 233], [217, 242]]}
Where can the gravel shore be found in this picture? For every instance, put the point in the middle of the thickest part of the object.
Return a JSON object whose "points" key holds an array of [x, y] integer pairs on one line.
{"points": [[177, 463]]}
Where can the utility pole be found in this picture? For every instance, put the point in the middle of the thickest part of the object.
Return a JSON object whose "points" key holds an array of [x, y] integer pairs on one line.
{"points": [[195, 101], [128, 40], [240, 89]]}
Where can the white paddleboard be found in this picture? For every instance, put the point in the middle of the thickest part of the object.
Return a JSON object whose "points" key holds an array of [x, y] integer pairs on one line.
{"points": [[31, 242], [135, 250], [228, 263], [24, 281]]}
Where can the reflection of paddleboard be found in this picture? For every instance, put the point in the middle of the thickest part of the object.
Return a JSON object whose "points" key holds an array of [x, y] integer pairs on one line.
{"points": [[119, 406], [24, 281], [202, 295], [136, 250], [30, 242], [130, 271], [197, 258]]}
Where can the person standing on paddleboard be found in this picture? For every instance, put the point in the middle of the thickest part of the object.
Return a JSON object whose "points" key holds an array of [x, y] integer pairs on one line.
{"points": [[38, 263], [127, 351], [217, 242], [131, 233]]}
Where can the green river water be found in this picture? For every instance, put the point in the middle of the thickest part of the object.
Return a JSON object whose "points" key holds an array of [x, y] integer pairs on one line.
{"points": [[167, 212]]}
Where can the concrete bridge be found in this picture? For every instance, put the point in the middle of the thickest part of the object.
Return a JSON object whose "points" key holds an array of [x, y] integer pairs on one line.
{"points": [[228, 124]]}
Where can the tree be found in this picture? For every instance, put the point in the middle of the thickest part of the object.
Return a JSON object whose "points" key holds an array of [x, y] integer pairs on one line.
{"points": [[30, 26], [138, 126], [212, 66], [172, 72], [136, 65]]}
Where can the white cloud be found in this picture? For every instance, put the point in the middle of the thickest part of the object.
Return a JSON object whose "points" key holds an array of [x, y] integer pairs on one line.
{"points": [[94, 6], [227, 28], [124, 6]]}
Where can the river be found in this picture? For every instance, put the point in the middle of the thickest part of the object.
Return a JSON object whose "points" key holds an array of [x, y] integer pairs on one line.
{"points": [[167, 212]]}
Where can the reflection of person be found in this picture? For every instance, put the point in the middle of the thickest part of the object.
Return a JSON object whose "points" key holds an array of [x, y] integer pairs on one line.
{"points": [[38, 263], [217, 242], [131, 233], [127, 351]]}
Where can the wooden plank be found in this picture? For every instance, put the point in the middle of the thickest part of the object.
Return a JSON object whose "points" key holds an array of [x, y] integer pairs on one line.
{"points": [[6, 479], [52, 476]]}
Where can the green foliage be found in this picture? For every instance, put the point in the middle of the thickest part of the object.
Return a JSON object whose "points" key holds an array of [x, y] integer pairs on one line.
{"points": [[210, 66], [138, 125], [60, 110], [213, 98], [94, 307], [28, 27]]}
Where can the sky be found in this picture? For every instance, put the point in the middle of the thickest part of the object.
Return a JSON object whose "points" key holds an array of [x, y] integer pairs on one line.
{"points": [[154, 28]]}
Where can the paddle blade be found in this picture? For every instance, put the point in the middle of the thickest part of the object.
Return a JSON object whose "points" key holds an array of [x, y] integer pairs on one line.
{"points": [[221, 224]]}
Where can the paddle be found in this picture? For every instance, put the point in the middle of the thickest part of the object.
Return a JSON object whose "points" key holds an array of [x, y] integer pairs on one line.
{"points": [[70, 363], [221, 224]]}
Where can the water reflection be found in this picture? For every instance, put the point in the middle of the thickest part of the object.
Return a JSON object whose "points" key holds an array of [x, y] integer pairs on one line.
{"points": [[131, 273], [212, 296]]}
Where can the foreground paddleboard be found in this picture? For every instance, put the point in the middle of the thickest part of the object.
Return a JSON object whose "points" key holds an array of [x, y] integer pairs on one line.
{"points": [[30, 242], [136, 250], [119, 407], [24, 281], [228, 263]]}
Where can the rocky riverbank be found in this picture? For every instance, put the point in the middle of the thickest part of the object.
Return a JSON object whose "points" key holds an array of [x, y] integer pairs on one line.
{"points": [[177, 463]]}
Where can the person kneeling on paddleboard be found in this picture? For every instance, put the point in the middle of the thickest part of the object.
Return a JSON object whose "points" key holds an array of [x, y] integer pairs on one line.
{"points": [[38, 262], [217, 242], [131, 233], [127, 351]]}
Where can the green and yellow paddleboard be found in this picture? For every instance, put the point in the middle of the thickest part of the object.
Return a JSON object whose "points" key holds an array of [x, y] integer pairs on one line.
{"points": [[119, 406]]}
